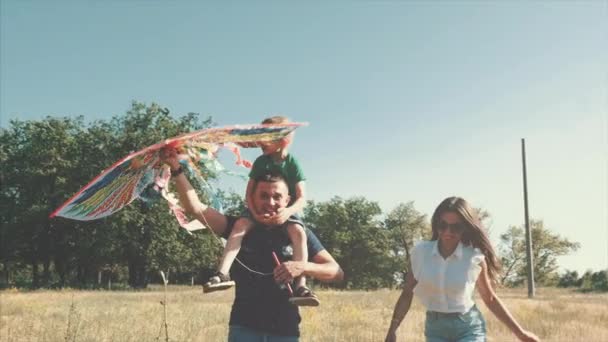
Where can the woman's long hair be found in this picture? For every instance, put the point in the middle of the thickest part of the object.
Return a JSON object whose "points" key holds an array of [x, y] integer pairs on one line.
{"points": [[475, 235]]}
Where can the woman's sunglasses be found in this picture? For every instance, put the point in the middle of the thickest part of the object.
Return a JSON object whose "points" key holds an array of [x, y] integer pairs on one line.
{"points": [[457, 228]]}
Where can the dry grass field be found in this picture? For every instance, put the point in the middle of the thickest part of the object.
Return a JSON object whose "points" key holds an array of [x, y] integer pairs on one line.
{"points": [[70, 315]]}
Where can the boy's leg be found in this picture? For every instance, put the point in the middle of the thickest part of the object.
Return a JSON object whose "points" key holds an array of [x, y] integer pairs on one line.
{"points": [[233, 245], [221, 280], [297, 236], [302, 296]]}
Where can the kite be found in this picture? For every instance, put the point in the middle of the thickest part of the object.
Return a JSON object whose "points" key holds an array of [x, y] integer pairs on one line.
{"points": [[140, 174]]}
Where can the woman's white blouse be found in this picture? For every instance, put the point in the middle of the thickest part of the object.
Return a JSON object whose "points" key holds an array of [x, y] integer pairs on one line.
{"points": [[445, 285]]}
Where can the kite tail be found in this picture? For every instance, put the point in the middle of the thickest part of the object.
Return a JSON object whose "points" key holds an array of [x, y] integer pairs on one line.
{"points": [[201, 184], [237, 152], [153, 192], [199, 164]]}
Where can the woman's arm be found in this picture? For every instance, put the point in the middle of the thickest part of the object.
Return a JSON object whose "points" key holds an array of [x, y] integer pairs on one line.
{"points": [[498, 308], [402, 306]]}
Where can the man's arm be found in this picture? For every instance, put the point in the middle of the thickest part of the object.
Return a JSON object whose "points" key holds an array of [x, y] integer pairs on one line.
{"points": [[325, 268], [189, 199]]}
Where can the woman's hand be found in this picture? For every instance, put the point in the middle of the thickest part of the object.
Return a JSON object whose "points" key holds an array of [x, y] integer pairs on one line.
{"points": [[391, 336], [527, 336]]}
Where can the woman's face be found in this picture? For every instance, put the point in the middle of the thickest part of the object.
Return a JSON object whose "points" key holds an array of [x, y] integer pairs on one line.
{"points": [[450, 228]]}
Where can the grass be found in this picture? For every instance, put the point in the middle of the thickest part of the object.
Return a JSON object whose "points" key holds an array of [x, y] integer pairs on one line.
{"points": [[71, 315]]}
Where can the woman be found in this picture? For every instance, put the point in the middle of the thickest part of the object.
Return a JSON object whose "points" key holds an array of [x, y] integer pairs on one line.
{"points": [[444, 273]]}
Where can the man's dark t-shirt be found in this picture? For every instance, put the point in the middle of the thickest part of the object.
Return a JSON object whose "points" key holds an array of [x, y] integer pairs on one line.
{"points": [[260, 303]]}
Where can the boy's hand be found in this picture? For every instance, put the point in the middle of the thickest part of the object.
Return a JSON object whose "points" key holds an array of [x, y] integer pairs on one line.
{"points": [[263, 219], [280, 217]]}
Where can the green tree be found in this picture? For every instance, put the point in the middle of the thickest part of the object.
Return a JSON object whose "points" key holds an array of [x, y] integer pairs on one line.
{"points": [[569, 279], [546, 247], [147, 232], [594, 281], [35, 167], [351, 230], [43, 163], [405, 225]]}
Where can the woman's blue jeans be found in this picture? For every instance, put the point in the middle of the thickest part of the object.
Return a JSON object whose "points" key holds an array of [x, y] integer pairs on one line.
{"points": [[455, 327]]}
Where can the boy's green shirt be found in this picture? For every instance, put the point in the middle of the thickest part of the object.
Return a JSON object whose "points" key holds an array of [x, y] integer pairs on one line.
{"points": [[289, 168]]}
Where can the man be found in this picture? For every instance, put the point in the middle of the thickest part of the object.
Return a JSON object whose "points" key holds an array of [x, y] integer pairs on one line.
{"points": [[261, 310]]}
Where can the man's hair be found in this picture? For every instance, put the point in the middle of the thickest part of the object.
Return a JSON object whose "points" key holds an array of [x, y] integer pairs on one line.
{"points": [[271, 177], [276, 120]]}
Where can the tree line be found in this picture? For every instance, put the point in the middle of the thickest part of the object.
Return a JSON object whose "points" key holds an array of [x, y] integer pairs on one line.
{"points": [[45, 162]]}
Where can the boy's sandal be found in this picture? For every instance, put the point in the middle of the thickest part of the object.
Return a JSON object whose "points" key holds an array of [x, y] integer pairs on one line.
{"points": [[218, 282], [303, 296]]}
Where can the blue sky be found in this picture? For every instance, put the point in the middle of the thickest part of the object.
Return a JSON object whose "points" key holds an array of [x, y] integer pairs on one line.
{"points": [[407, 101]]}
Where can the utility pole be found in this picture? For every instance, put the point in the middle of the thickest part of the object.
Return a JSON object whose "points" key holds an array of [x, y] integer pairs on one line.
{"points": [[530, 267]]}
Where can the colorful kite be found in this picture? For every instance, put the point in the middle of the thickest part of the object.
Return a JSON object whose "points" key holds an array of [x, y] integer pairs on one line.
{"points": [[141, 172]]}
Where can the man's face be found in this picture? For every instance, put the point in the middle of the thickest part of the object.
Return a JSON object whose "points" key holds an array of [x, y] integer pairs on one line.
{"points": [[269, 197]]}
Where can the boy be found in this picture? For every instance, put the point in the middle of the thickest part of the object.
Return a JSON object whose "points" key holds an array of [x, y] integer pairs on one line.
{"points": [[275, 158]]}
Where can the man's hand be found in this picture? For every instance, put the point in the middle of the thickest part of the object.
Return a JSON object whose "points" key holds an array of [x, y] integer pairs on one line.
{"points": [[169, 156], [289, 270]]}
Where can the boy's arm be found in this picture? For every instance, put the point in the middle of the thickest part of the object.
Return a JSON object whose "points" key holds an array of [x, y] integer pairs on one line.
{"points": [[300, 201], [297, 206], [249, 197]]}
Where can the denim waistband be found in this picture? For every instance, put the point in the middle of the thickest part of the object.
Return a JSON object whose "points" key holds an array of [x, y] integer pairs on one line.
{"points": [[437, 314]]}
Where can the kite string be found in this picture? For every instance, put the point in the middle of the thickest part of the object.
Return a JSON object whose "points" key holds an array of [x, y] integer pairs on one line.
{"points": [[215, 235]]}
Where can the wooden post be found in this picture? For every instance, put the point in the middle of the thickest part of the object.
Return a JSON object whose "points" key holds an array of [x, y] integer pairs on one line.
{"points": [[530, 267]]}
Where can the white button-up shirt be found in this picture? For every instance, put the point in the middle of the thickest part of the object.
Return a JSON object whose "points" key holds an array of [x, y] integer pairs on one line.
{"points": [[445, 285]]}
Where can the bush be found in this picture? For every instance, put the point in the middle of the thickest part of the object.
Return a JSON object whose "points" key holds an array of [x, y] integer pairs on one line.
{"points": [[597, 281]]}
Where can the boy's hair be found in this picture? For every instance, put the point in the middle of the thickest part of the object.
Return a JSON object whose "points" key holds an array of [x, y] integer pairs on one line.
{"points": [[278, 119]]}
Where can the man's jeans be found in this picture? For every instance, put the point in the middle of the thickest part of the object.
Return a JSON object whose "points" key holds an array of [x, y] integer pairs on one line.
{"points": [[454, 327], [237, 333]]}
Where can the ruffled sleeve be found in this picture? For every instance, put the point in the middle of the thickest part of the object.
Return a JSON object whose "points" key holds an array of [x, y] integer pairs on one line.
{"points": [[417, 258], [478, 257]]}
